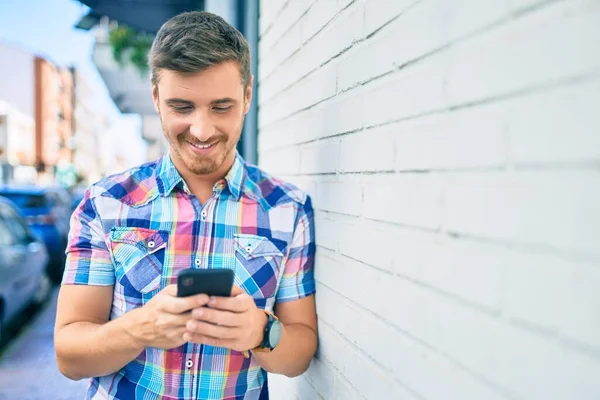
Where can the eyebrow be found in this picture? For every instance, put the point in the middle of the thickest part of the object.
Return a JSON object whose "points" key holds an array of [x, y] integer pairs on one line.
{"points": [[177, 101], [224, 100]]}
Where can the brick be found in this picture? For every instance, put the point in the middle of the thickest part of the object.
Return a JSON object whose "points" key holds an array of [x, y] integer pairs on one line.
{"points": [[340, 197], [320, 157], [407, 199], [271, 59], [537, 286], [522, 47], [345, 390], [317, 17], [367, 242], [339, 34], [406, 359], [413, 91], [326, 230], [268, 14], [378, 13], [483, 344], [342, 114], [281, 161], [288, 17], [474, 272], [368, 150], [473, 138], [579, 317], [569, 136], [281, 386], [371, 380], [315, 88], [556, 209], [321, 377]]}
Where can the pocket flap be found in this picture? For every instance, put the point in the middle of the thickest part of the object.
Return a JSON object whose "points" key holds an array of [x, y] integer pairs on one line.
{"points": [[252, 246], [149, 239]]}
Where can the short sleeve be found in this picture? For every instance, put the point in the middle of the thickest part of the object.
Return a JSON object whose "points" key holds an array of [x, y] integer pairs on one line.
{"points": [[298, 279], [88, 258]]}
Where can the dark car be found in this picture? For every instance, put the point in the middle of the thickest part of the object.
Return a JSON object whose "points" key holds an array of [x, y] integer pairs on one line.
{"points": [[23, 260], [47, 211]]}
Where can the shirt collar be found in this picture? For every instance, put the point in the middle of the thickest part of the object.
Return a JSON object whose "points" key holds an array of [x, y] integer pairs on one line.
{"points": [[168, 177]]}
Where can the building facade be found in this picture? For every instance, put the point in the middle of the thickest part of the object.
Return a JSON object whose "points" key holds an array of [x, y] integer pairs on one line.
{"points": [[452, 152]]}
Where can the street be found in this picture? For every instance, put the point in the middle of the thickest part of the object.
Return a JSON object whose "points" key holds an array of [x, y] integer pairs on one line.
{"points": [[28, 368]]}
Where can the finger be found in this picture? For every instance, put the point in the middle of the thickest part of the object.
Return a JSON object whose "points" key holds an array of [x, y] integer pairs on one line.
{"points": [[235, 290], [180, 320], [178, 305], [239, 303], [211, 341], [171, 290], [220, 317], [210, 330]]}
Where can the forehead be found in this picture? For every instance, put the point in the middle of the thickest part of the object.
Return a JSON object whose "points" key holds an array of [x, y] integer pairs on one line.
{"points": [[216, 82]]}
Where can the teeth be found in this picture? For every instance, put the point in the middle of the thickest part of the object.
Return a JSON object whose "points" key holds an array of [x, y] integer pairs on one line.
{"points": [[199, 146]]}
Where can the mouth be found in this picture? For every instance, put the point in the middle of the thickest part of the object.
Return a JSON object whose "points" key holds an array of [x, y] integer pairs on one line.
{"points": [[202, 148]]}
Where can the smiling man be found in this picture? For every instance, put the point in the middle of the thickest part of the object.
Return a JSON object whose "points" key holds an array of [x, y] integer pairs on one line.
{"points": [[119, 320]]}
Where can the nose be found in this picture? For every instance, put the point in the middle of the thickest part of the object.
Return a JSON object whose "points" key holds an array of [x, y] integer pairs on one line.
{"points": [[202, 127]]}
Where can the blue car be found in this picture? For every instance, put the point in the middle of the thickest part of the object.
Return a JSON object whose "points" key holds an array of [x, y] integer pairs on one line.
{"points": [[47, 211], [23, 260]]}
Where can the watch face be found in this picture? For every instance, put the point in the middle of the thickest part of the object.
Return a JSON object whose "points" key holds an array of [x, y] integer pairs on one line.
{"points": [[274, 334]]}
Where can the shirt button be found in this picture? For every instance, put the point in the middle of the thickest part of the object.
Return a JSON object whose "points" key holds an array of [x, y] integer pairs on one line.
{"points": [[203, 214], [197, 262], [189, 364], [151, 244]]}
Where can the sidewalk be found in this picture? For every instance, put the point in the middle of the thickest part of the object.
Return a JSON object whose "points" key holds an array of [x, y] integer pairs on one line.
{"points": [[28, 368]]}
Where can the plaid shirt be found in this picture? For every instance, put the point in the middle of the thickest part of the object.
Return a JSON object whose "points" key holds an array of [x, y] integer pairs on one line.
{"points": [[139, 229]]}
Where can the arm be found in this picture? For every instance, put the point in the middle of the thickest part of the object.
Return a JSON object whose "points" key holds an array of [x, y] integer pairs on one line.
{"points": [[86, 343], [298, 341]]}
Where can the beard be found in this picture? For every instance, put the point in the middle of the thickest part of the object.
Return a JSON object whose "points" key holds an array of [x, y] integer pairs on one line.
{"points": [[202, 164]]}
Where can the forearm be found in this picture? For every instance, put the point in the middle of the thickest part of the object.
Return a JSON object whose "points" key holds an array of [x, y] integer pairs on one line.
{"points": [[86, 349], [294, 352]]}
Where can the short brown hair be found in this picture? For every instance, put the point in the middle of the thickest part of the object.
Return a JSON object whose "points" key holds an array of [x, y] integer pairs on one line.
{"points": [[194, 41]]}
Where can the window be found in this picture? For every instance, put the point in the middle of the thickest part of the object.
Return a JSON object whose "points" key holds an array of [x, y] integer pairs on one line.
{"points": [[15, 224]]}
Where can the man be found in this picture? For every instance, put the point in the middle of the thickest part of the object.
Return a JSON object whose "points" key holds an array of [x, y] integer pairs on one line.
{"points": [[119, 319]]}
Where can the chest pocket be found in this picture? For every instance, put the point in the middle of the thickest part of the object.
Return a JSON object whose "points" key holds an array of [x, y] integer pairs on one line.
{"points": [[258, 265], [138, 255]]}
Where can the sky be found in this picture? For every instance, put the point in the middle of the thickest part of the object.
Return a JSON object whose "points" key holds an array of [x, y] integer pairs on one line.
{"points": [[46, 28]]}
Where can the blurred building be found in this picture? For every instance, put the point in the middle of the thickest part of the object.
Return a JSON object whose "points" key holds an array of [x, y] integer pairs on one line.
{"points": [[88, 127], [54, 100], [49, 123], [17, 115]]}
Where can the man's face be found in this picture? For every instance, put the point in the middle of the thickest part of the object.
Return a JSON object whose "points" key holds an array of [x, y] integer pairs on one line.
{"points": [[202, 115]]}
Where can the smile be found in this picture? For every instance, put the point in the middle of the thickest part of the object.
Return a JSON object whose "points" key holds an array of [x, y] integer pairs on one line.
{"points": [[202, 146]]}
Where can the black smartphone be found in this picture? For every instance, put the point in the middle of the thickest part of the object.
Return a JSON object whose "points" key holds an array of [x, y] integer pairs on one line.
{"points": [[213, 282]]}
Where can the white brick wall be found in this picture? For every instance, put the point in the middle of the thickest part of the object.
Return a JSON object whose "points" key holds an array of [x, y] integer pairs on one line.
{"points": [[451, 149]]}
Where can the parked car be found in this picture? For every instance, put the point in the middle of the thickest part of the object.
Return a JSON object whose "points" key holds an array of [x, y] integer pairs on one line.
{"points": [[47, 210], [23, 260]]}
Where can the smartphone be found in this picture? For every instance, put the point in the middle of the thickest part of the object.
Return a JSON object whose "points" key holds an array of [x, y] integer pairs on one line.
{"points": [[213, 282]]}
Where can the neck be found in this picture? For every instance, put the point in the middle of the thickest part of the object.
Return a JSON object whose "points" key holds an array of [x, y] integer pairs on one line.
{"points": [[202, 185]]}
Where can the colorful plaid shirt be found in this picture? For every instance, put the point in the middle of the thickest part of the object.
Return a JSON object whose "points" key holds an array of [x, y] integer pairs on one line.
{"points": [[136, 231]]}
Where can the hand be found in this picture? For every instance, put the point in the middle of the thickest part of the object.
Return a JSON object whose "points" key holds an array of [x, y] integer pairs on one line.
{"points": [[233, 322], [161, 322]]}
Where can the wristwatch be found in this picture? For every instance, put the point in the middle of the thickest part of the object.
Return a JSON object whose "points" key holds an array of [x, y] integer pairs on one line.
{"points": [[271, 336]]}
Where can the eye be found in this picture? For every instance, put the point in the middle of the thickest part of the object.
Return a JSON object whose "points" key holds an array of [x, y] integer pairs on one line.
{"points": [[182, 110], [222, 109]]}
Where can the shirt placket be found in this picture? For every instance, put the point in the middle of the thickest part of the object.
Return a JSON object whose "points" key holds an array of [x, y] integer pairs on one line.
{"points": [[201, 260]]}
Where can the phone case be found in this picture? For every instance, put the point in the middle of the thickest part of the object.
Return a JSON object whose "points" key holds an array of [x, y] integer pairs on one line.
{"points": [[213, 282]]}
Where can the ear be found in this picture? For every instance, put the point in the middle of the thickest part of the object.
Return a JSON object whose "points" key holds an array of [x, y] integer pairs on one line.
{"points": [[155, 96], [248, 94]]}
